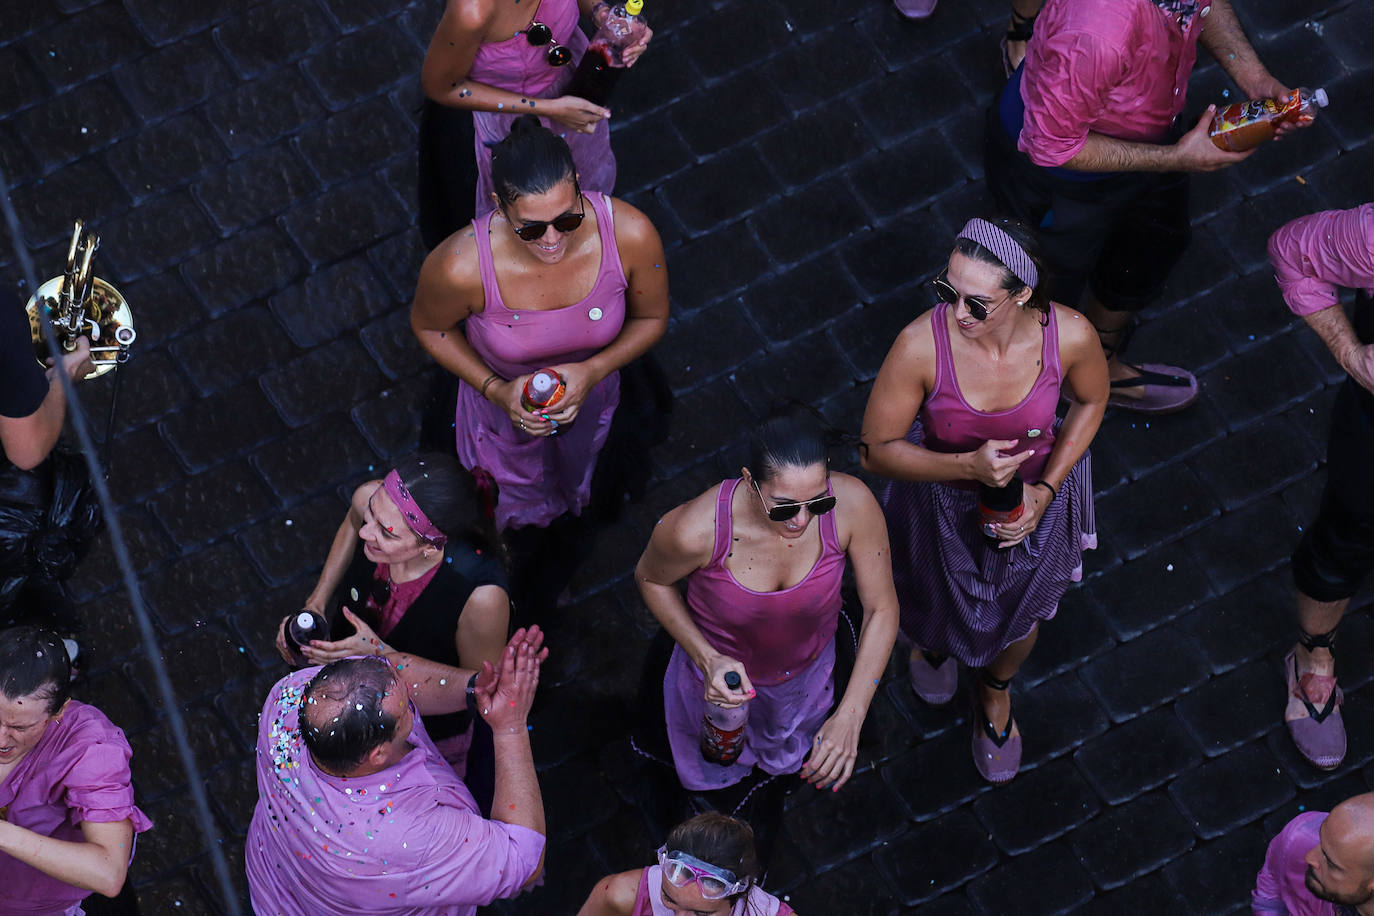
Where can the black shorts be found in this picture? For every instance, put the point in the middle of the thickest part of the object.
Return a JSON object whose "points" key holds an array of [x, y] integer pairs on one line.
{"points": [[1121, 233]]}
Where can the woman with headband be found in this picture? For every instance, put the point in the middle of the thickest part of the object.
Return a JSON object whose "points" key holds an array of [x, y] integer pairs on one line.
{"points": [[967, 396], [706, 867], [428, 581]]}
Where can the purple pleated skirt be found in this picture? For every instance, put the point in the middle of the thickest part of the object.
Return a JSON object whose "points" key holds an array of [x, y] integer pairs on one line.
{"points": [[783, 720], [970, 601]]}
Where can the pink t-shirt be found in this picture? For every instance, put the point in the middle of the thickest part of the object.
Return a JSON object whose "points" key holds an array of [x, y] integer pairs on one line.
{"points": [[1116, 68], [78, 771], [1281, 886], [1314, 254]]}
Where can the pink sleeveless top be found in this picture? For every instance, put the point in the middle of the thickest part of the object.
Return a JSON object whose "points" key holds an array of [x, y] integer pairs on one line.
{"points": [[951, 425], [775, 634], [649, 899], [520, 67]]}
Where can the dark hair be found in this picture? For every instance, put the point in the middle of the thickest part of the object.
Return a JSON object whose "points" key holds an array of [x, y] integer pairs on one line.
{"points": [[531, 160], [793, 437], [449, 495], [342, 718], [724, 841], [1022, 235], [34, 660]]}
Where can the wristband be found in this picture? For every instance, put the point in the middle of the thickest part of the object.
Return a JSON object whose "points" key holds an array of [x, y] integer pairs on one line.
{"points": [[487, 382], [1048, 486], [472, 695]]}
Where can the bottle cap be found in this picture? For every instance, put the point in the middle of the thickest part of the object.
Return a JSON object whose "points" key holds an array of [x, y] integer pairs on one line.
{"points": [[732, 680], [543, 382], [634, 6], [1318, 97], [305, 620]]}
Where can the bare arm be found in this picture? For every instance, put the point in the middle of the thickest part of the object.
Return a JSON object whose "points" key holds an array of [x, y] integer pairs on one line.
{"points": [[342, 549], [1333, 327], [1225, 40], [483, 627], [27, 441], [97, 863], [1194, 152], [1085, 375], [614, 895]]}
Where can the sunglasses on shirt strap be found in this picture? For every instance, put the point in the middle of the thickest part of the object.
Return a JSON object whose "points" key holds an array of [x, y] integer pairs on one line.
{"points": [[784, 511], [681, 870], [538, 35]]}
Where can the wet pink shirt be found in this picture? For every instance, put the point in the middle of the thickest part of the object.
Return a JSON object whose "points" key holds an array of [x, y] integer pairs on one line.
{"points": [[407, 841], [1117, 68], [1313, 255], [78, 771], [1280, 886]]}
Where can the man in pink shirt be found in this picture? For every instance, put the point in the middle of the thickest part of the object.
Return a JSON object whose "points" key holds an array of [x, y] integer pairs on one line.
{"points": [[1312, 257], [359, 813], [1320, 864], [1084, 144]]}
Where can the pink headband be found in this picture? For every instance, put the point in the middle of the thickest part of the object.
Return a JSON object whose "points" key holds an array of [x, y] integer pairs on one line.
{"points": [[1004, 247], [414, 515]]}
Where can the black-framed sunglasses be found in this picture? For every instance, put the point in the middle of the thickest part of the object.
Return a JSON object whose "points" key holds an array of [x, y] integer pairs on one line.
{"points": [[784, 511], [564, 222], [538, 34], [976, 307]]}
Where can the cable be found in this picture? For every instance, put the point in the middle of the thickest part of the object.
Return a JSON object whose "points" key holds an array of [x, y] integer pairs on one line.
{"points": [[121, 552]]}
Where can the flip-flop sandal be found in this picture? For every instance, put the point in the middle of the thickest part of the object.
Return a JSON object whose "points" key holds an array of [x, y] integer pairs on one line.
{"points": [[1168, 389], [1321, 736], [916, 9]]}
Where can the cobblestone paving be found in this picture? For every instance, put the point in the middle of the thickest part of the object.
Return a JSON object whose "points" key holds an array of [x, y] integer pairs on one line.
{"points": [[251, 168]]}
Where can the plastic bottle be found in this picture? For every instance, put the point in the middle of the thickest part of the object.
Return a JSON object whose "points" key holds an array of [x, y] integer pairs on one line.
{"points": [[1245, 125], [302, 628], [999, 506], [604, 61], [722, 729], [543, 389]]}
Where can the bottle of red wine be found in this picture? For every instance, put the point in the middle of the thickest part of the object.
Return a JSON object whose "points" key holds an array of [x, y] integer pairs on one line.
{"points": [[300, 629], [604, 61]]}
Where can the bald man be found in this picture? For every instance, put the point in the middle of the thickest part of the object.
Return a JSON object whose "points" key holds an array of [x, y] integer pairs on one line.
{"points": [[1320, 864]]}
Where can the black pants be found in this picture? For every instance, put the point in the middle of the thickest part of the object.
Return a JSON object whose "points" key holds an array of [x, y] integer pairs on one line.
{"points": [[448, 172], [1337, 550]]}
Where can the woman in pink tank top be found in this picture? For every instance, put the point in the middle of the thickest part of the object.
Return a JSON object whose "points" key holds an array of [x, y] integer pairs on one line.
{"points": [[967, 397], [763, 557], [708, 865]]}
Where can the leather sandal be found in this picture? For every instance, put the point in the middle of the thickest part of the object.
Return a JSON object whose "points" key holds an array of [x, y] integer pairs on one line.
{"points": [[997, 756], [934, 677], [1168, 389], [1021, 29], [1320, 736]]}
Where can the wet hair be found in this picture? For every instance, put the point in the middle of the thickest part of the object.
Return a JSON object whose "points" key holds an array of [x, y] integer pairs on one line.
{"points": [[1022, 235], [531, 160], [34, 661], [451, 498], [724, 841], [343, 718], [793, 437]]}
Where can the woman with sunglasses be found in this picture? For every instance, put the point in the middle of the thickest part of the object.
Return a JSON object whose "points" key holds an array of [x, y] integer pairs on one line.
{"points": [[499, 59], [967, 396], [428, 582], [557, 278], [706, 867], [763, 556]]}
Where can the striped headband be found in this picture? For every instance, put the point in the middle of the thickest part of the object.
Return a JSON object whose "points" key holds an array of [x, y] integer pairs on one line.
{"points": [[414, 515], [1012, 255]]}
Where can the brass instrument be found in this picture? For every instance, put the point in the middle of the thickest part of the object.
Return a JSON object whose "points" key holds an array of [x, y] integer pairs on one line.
{"points": [[79, 304]]}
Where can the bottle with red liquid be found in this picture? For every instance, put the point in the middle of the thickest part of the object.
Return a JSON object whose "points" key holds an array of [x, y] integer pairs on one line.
{"points": [[722, 730], [1245, 125], [604, 61], [300, 629], [543, 389], [999, 506]]}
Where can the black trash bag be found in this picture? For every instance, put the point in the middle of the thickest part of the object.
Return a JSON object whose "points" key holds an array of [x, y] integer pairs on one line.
{"points": [[49, 517]]}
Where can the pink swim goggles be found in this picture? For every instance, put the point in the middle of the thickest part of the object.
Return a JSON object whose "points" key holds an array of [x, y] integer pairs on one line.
{"points": [[681, 870]]}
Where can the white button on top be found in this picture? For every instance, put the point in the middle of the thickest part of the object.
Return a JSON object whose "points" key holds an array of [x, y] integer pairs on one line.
{"points": [[595, 314]]}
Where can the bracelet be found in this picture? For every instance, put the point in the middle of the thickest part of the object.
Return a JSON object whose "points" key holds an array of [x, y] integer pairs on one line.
{"points": [[1049, 486], [487, 382]]}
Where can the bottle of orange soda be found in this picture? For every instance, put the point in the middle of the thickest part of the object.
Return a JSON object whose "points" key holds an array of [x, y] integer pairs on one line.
{"points": [[1245, 125]]}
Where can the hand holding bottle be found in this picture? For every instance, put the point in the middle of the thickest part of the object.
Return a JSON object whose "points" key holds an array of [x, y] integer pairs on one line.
{"points": [[718, 689]]}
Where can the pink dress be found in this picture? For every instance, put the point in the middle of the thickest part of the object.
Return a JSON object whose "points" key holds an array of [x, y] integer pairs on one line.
{"points": [[78, 771], [518, 66], [545, 477], [649, 900], [786, 641]]}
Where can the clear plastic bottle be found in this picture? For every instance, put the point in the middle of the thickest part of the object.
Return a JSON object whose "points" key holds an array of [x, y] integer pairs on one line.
{"points": [[1245, 125], [604, 61], [722, 729], [303, 627], [543, 389]]}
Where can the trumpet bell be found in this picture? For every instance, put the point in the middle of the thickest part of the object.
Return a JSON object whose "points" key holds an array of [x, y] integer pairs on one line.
{"points": [[109, 322]]}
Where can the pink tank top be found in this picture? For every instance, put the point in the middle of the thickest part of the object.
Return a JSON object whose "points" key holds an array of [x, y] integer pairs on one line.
{"points": [[649, 899], [516, 341], [951, 425], [775, 634]]}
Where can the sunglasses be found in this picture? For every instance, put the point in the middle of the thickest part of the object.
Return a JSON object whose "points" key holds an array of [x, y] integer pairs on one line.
{"points": [[784, 511], [681, 870], [564, 223], [976, 307], [539, 35]]}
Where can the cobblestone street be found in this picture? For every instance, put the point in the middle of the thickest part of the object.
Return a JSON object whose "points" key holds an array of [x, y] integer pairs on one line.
{"points": [[251, 168]]}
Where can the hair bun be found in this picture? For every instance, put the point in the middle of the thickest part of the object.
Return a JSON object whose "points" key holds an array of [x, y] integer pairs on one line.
{"points": [[525, 125]]}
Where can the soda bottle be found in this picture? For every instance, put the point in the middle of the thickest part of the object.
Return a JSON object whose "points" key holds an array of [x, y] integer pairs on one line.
{"points": [[543, 389], [1245, 125], [999, 506], [722, 729], [604, 61], [302, 628]]}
